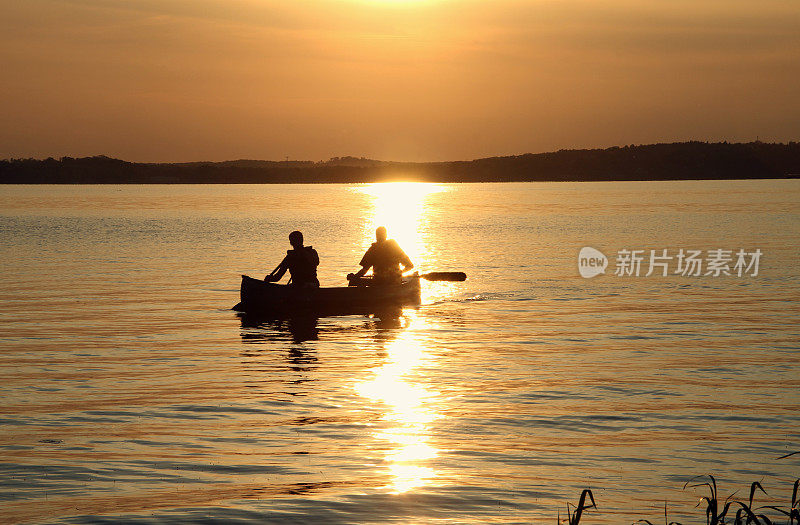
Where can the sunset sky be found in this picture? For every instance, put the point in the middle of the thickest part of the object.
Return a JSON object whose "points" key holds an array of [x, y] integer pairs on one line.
{"points": [[180, 80]]}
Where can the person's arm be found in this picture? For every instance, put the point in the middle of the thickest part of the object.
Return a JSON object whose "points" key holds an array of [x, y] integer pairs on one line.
{"points": [[362, 271], [366, 264], [278, 272], [403, 258], [406, 262]]}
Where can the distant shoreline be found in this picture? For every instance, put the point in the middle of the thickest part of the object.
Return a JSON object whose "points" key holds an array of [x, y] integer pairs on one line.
{"points": [[674, 161]]}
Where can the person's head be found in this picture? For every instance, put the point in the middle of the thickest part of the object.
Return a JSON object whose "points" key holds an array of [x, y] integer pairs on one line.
{"points": [[296, 239], [380, 234]]}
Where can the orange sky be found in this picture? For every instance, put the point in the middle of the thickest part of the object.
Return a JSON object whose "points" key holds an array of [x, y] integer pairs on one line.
{"points": [[174, 80]]}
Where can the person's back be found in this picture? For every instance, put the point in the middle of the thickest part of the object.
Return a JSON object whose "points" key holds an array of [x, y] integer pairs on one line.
{"points": [[301, 262], [385, 257]]}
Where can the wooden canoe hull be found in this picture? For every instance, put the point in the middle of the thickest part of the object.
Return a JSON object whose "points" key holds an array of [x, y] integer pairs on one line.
{"points": [[261, 297]]}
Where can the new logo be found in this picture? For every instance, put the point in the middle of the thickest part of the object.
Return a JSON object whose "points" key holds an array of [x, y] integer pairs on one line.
{"points": [[591, 262]]}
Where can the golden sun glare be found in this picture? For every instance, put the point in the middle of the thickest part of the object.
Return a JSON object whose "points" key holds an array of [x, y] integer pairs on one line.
{"points": [[401, 208], [408, 410]]}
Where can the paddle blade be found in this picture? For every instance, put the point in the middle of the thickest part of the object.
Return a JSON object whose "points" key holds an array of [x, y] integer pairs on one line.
{"points": [[445, 276]]}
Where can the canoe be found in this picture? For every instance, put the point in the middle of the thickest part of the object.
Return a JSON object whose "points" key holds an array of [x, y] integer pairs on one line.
{"points": [[261, 297]]}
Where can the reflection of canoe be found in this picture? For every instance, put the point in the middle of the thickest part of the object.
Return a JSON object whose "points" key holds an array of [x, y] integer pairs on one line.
{"points": [[258, 296]]}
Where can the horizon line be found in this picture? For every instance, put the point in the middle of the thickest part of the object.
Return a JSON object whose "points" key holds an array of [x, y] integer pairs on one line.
{"points": [[353, 157]]}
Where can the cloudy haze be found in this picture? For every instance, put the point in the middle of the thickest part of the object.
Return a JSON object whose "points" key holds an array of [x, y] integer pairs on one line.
{"points": [[175, 80]]}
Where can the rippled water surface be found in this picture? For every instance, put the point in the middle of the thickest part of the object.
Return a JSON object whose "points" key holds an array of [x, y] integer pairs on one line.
{"points": [[131, 392]]}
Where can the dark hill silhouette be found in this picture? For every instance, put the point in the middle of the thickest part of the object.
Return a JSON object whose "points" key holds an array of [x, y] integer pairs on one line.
{"points": [[676, 161]]}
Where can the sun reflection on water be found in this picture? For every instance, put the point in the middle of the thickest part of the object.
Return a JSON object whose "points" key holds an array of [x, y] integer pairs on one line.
{"points": [[402, 208], [409, 411]]}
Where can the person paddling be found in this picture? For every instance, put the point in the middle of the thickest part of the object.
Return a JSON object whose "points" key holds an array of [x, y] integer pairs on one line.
{"points": [[301, 261], [385, 258]]}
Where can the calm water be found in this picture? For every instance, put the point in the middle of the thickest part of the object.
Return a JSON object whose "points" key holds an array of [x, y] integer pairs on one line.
{"points": [[130, 391]]}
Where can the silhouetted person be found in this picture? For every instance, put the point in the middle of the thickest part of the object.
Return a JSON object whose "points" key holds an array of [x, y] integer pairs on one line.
{"points": [[385, 258], [301, 261]]}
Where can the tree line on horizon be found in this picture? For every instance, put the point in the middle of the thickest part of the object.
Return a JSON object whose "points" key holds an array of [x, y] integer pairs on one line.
{"points": [[676, 161]]}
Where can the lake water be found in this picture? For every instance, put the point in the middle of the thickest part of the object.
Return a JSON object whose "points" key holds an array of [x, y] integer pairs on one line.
{"points": [[132, 393]]}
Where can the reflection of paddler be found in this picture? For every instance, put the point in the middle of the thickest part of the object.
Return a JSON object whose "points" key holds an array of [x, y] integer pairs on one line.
{"points": [[385, 258]]}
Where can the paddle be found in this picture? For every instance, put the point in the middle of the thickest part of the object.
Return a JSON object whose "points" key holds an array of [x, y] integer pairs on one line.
{"points": [[445, 276], [273, 271]]}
